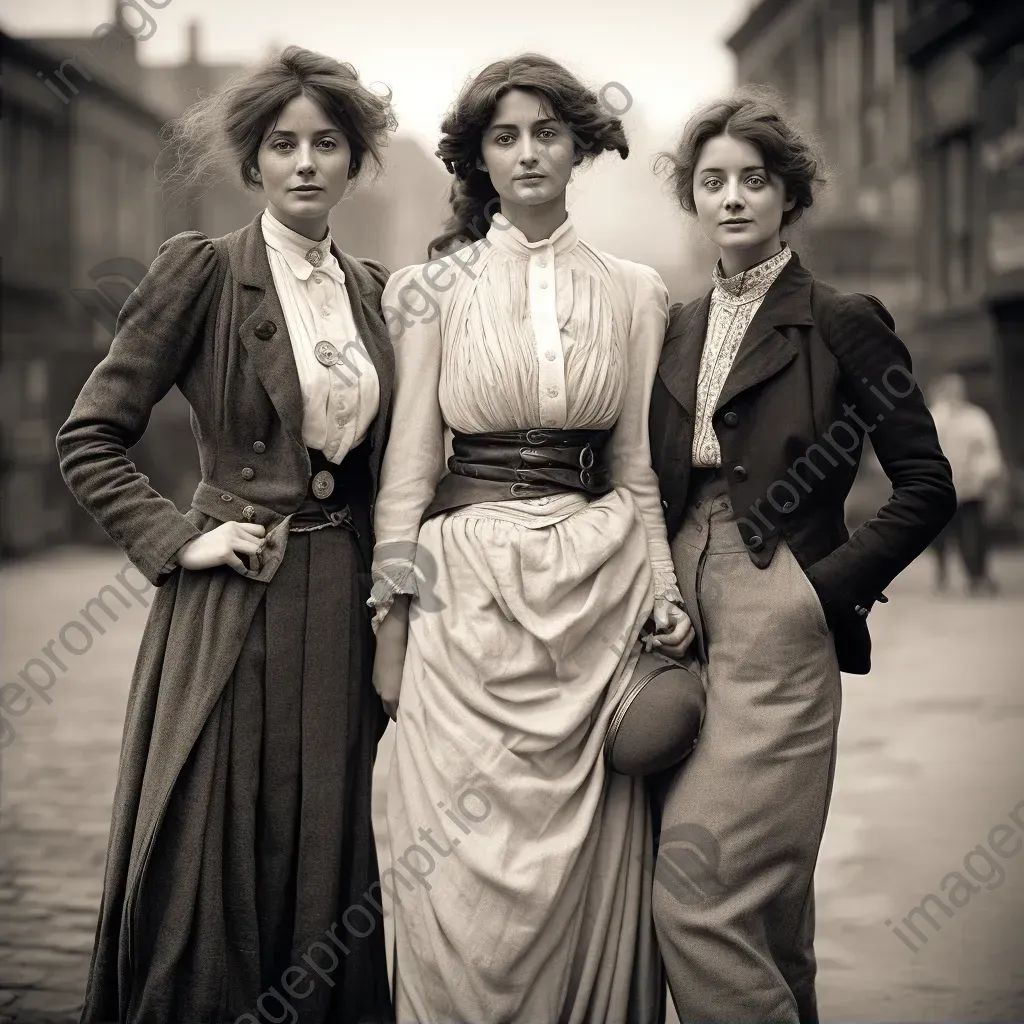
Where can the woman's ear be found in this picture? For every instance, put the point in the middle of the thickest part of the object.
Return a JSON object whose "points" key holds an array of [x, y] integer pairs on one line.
{"points": [[578, 158], [480, 165], [789, 204]]}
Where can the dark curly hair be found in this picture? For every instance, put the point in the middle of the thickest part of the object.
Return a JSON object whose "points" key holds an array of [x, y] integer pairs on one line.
{"points": [[473, 198], [755, 116], [230, 124]]}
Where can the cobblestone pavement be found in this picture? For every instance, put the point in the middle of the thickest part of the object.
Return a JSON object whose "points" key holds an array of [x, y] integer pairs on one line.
{"points": [[929, 764]]}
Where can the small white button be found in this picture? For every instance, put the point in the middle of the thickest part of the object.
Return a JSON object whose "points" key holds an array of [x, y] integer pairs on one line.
{"points": [[543, 284], [542, 262], [317, 279], [551, 354], [553, 391], [325, 312]]}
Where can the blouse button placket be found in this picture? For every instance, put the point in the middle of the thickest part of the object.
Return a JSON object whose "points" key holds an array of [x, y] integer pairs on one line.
{"points": [[547, 338]]}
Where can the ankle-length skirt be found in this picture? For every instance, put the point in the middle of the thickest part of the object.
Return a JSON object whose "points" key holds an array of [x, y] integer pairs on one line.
{"points": [[520, 867], [256, 899]]}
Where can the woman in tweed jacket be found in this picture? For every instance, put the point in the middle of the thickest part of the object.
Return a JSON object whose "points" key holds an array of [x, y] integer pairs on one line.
{"points": [[241, 862]]}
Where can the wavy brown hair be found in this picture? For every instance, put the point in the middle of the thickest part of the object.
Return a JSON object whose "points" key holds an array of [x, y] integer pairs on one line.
{"points": [[756, 116], [472, 196], [223, 131]]}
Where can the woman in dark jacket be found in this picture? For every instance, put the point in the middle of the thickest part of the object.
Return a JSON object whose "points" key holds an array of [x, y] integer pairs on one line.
{"points": [[766, 390], [241, 863]]}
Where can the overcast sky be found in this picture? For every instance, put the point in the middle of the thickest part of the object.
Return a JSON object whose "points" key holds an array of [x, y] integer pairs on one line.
{"points": [[668, 56]]}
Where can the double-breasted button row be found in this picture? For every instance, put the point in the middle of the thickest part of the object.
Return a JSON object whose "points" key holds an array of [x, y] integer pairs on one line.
{"points": [[247, 473], [730, 419], [265, 329]]}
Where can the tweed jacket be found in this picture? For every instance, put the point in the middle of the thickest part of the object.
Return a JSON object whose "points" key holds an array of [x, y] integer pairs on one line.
{"points": [[207, 319], [816, 374]]}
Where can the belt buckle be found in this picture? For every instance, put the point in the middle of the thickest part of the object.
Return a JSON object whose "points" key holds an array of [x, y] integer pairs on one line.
{"points": [[586, 457], [537, 437]]}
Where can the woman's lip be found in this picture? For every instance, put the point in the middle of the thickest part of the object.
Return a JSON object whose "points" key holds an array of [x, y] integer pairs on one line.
{"points": [[307, 188]]}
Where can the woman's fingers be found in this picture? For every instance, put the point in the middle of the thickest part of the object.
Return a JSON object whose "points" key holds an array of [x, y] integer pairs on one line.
{"points": [[252, 528], [235, 562], [248, 545]]}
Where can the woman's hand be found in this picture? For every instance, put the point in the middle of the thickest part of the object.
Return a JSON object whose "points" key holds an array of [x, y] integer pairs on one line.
{"points": [[675, 631], [222, 546], [389, 660]]}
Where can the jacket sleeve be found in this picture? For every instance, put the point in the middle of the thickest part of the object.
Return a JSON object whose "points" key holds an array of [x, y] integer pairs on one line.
{"points": [[629, 449], [154, 337], [877, 378], [414, 459]]}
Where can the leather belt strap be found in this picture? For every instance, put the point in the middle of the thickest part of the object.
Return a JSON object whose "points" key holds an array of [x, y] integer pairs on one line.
{"points": [[516, 464]]}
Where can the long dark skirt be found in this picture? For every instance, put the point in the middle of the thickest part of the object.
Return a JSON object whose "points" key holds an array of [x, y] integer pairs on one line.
{"points": [[261, 892]]}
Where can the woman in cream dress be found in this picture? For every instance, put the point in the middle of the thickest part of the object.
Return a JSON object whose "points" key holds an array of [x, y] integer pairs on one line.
{"points": [[521, 866]]}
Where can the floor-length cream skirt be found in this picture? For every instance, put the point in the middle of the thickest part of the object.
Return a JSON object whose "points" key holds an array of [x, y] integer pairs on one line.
{"points": [[521, 868]]}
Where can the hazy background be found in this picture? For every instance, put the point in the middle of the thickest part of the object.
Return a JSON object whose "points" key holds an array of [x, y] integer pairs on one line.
{"points": [[919, 107]]}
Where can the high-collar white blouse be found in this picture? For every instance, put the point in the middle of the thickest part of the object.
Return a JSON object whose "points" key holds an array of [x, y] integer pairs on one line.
{"points": [[340, 401], [734, 301], [509, 334]]}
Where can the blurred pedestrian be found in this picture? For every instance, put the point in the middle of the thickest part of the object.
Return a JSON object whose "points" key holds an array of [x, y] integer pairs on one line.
{"points": [[241, 834], [767, 387], [970, 442], [538, 353]]}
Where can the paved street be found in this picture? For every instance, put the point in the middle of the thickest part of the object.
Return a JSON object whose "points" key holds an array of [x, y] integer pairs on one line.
{"points": [[930, 764]]}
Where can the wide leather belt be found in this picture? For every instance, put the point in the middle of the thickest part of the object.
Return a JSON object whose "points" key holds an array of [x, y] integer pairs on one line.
{"points": [[514, 464]]}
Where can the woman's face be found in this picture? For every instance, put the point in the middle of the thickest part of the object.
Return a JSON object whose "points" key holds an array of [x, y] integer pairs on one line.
{"points": [[304, 163], [527, 152], [739, 205]]}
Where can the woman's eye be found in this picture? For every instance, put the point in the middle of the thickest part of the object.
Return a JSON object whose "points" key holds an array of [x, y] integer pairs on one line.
{"points": [[504, 140], [711, 183], [756, 180], [328, 143], [546, 133], [281, 145]]}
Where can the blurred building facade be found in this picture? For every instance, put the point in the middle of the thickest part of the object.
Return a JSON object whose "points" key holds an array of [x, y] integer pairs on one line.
{"points": [[919, 106], [82, 217]]}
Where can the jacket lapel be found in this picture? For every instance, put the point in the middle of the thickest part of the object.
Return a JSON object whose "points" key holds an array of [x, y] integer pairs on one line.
{"points": [[765, 349], [680, 359], [262, 326], [364, 298]]}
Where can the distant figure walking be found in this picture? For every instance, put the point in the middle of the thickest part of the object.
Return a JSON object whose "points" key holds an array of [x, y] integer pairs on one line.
{"points": [[969, 441]]}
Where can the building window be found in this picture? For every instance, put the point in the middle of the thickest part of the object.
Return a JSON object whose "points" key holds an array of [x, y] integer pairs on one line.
{"points": [[878, 74], [809, 75], [956, 216]]}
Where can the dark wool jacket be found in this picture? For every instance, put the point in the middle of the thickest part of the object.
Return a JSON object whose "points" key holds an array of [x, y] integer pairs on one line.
{"points": [[815, 373], [207, 319]]}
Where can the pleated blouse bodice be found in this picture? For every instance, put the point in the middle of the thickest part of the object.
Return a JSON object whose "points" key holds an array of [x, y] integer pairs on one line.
{"points": [[510, 334]]}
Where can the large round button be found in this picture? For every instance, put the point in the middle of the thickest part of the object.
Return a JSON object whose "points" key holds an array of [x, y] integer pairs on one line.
{"points": [[730, 419], [265, 329], [326, 354], [323, 484], [247, 473], [739, 473], [755, 543], [248, 511], [259, 447]]}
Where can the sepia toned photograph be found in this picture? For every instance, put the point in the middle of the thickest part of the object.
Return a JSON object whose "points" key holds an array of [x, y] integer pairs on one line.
{"points": [[512, 515]]}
